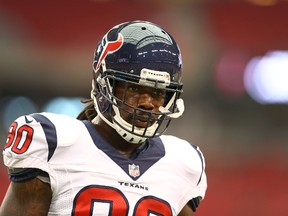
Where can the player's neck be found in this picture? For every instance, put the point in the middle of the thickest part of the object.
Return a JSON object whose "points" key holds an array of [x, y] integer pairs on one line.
{"points": [[114, 139]]}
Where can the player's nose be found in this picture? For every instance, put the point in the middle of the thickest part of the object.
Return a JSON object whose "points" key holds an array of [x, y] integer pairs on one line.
{"points": [[145, 102]]}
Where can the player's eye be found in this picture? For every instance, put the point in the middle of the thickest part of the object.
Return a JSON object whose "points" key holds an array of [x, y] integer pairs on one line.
{"points": [[133, 88], [159, 93]]}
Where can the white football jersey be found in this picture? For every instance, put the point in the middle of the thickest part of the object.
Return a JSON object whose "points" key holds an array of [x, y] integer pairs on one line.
{"points": [[90, 177]]}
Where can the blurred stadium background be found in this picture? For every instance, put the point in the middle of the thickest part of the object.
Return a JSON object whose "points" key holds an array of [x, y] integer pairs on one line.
{"points": [[235, 55]]}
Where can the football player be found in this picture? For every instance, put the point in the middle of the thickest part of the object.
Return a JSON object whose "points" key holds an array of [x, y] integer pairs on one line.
{"points": [[113, 159]]}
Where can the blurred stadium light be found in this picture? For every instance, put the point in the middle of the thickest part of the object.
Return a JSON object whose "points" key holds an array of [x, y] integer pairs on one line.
{"points": [[228, 74], [16, 106], [266, 78], [63, 105]]}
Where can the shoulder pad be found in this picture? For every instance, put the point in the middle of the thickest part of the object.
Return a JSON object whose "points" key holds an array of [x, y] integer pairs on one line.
{"points": [[33, 139]]}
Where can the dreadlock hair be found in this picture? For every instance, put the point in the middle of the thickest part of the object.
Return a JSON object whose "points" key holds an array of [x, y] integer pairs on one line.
{"points": [[89, 112]]}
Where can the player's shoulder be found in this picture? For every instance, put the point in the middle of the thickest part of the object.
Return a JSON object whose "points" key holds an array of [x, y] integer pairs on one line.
{"points": [[49, 127], [176, 143], [184, 152], [35, 139], [43, 117], [47, 120], [65, 127], [37, 136]]}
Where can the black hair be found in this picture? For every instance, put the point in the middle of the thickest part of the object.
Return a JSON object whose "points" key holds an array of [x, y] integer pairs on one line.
{"points": [[89, 112]]}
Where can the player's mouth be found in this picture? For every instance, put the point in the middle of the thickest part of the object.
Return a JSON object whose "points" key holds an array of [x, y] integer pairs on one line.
{"points": [[141, 119], [144, 121]]}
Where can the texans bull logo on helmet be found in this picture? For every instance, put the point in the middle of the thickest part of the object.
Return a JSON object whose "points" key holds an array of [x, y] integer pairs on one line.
{"points": [[110, 47]]}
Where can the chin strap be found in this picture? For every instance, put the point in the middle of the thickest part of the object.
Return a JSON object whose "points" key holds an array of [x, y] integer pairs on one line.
{"points": [[128, 136]]}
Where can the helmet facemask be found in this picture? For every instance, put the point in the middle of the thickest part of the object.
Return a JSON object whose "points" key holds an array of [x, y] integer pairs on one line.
{"points": [[111, 108]]}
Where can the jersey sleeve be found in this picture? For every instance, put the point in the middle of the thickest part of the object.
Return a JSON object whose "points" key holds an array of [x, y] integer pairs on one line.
{"points": [[201, 186], [199, 190], [30, 144]]}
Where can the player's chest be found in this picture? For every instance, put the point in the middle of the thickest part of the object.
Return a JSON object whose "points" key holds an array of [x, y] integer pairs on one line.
{"points": [[105, 188]]}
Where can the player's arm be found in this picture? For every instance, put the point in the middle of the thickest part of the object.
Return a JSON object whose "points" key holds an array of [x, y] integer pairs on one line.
{"points": [[186, 211], [190, 207], [28, 198], [25, 154]]}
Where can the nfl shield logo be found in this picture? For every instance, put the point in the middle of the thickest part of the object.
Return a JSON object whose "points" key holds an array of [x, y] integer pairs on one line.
{"points": [[134, 170]]}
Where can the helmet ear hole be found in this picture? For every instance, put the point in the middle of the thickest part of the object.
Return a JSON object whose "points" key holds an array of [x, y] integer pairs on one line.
{"points": [[101, 94], [103, 104]]}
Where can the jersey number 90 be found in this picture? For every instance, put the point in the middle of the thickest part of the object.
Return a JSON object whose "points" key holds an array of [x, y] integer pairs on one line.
{"points": [[118, 205]]}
